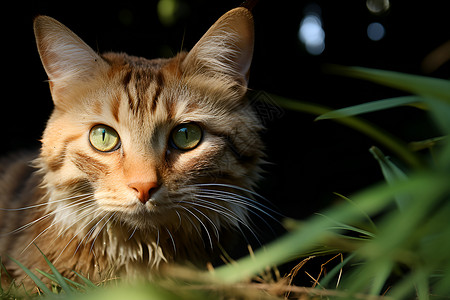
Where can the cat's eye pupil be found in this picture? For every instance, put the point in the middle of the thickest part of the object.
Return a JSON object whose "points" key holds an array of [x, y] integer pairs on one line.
{"points": [[186, 136], [104, 138]]}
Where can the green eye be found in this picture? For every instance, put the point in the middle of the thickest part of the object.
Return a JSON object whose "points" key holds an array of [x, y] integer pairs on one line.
{"points": [[104, 138], [186, 136]]}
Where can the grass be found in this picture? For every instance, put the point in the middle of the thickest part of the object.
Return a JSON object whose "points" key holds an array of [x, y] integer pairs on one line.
{"points": [[392, 239]]}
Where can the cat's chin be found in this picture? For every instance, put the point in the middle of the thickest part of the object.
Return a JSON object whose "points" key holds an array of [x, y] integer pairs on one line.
{"points": [[148, 216]]}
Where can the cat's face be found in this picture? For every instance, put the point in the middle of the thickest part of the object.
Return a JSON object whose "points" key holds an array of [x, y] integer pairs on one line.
{"points": [[150, 142]]}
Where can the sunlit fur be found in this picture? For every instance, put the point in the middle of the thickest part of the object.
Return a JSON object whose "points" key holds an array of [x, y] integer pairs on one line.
{"points": [[79, 208]]}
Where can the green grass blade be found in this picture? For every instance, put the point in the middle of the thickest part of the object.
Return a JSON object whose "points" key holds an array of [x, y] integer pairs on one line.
{"points": [[392, 174], [367, 217], [33, 277], [343, 226], [59, 278], [86, 281], [54, 279], [372, 131], [435, 92], [370, 107], [419, 85], [333, 272]]}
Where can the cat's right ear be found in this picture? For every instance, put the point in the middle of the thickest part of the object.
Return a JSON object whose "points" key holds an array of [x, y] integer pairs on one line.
{"points": [[66, 58]]}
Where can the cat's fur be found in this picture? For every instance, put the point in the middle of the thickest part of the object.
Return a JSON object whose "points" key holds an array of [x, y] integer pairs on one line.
{"points": [[77, 204]]}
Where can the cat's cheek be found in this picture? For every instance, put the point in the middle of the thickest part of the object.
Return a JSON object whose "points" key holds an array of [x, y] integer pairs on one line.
{"points": [[114, 200]]}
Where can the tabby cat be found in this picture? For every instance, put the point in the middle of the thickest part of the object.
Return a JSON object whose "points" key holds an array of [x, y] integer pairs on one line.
{"points": [[143, 162]]}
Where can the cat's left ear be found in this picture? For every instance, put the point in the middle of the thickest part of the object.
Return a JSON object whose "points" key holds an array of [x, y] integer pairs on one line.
{"points": [[67, 60], [226, 48]]}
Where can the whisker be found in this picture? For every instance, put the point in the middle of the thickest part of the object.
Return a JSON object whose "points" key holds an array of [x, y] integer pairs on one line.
{"points": [[216, 231], [51, 225], [42, 204], [88, 235], [230, 214], [98, 233], [246, 199], [28, 225], [188, 217], [157, 240], [173, 241], [239, 202], [134, 231], [86, 214], [232, 187], [203, 225]]}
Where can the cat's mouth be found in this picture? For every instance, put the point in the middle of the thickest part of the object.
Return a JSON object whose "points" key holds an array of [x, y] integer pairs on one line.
{"points": [[152, 214]]}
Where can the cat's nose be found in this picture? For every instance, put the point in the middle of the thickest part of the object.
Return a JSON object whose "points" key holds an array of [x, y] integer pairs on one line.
{"points": [[144, 190]]}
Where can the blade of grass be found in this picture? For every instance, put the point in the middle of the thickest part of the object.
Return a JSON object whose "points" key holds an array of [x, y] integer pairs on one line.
{"points": [[33, 277], [342, 226], [392, 174], [435, 91], [370, 107], [4, 270], [54, 279], [59, 278], [419, 85], [382, 137], [368, 218], [86, 281], [333, 272]]}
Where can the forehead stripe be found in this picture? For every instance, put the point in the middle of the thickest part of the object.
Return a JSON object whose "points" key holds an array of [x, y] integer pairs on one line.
{"points": [[159, 86]]}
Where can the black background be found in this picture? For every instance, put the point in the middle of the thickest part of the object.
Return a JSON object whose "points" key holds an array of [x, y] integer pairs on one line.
{"points": [[308, 160]]}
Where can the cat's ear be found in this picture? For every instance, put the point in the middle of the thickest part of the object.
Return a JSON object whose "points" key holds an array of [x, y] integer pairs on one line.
{"points": [[226, 48], [66, 58]]}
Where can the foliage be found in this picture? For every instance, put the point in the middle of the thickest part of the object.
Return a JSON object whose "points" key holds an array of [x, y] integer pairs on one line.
{"points": [[393, 238]]}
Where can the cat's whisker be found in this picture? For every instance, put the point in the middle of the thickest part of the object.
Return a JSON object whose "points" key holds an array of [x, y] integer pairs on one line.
{"points": [[232, 186], [238, 198], [85, 212], [85, 215], [134, 231], [179, 219], [173, 241], [51, 213], [235, 200], [42, 204], [54, 223], [189, 218], [202, 224], [255, 210], [88, 235], [228, 213], [216, 230], [157, 239], [235, 187], [223, 211], [98, 233]]}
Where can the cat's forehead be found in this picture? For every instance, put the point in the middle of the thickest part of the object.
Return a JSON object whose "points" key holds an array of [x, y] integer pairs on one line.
{"points": [[121, 60], [139, 84]]}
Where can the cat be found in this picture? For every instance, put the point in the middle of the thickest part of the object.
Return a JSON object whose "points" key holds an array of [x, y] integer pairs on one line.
{"points": [[143, 163]]}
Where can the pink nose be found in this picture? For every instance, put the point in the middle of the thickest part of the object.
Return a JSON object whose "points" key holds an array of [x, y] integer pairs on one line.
{"points": [[144, 190]]}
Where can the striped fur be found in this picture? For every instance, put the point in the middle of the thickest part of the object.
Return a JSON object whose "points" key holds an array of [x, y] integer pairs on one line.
{"points": [[82, 212]]}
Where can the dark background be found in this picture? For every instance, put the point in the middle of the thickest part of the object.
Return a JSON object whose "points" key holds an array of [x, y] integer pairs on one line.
{"points": [[308, 160]]}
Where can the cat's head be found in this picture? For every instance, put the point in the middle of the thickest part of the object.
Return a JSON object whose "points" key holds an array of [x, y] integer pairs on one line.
{"points": [[150, 143]]}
